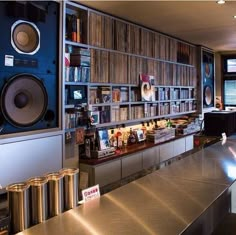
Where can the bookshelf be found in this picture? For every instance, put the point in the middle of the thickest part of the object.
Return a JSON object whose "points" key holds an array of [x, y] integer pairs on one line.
{"points": [[123, 102], [104, 57]]}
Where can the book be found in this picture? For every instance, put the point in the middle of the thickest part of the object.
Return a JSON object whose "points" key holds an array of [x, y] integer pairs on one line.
{"points": [[116, 95], [67, 67], [78, 30], [104, 95], [74, 28], [124, 94], [93, 95], [115, 113]]}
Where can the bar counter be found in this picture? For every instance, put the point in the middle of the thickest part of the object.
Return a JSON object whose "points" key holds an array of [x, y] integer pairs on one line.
{"points": [[190, 196], [132, 149]]}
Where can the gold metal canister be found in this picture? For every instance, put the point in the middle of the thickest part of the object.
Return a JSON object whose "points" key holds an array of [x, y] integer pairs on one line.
{"points": [[71, 187], [38, 199], [55, 193], [18, 203]]}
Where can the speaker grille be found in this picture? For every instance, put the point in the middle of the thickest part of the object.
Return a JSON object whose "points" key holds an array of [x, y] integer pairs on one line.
{"points": [[25, 37], [24, 100]]}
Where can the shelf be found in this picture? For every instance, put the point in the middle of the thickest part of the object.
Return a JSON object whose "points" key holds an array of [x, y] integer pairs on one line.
{"points": [[126, 112], [70, 130], [110, 33], [77, 44], [69, 106], [114, 124], [105, 64], [76, 83]]}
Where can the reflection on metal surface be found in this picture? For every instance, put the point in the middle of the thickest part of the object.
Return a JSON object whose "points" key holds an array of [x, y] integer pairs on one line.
{"points": [[179, 199], [170, 182], [131, 214], [231, 171], [148, 191], [84, 222], [232, 151]]}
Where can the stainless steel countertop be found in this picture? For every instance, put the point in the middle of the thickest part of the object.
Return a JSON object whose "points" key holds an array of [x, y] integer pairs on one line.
{"points": [[164, 202], [215, 164]]}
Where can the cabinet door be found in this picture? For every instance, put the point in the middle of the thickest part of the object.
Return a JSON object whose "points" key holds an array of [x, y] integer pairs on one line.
{"points": [[179, 146], [188, 142], [151, 157], [131, 164], [107, 173], [166, 151]]}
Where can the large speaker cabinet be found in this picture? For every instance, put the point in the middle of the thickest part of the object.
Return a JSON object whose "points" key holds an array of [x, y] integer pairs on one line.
{"points": [[219, 122], [29, 66]]}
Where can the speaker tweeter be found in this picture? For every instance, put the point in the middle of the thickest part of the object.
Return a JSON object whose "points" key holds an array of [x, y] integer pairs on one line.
{"points": [[25, 37]]}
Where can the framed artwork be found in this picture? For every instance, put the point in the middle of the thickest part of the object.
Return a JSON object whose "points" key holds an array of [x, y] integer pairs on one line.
{"points": [[208, 91], [147, 87]]}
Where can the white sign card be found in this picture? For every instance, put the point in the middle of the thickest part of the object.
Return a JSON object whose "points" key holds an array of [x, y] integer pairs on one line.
{"points": [[90, 193], [224, 138]]}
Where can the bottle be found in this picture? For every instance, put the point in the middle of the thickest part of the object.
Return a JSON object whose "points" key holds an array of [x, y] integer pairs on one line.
{"points": [[125, 138], [119, 138], [113, 140], [169, 123], [144, 129], [131, 138]]}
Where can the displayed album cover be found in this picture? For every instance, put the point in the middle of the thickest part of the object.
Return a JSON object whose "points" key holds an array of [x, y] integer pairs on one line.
{"points": [[140, 135], [95, 118], [103, 139], [147, 87]]}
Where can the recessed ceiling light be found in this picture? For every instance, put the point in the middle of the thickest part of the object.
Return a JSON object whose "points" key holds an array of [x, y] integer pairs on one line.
{"points": [[221, 2], [234, 17]]}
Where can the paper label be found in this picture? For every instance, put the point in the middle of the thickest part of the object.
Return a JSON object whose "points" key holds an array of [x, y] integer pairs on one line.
{"points": [[9, 60]]}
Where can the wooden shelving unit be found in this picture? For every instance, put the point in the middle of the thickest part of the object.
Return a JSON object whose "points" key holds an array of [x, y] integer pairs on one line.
{"points": [[108, 55]]}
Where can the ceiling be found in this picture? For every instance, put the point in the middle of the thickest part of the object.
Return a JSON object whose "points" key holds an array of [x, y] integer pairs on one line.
{"points": [[203, 23]]}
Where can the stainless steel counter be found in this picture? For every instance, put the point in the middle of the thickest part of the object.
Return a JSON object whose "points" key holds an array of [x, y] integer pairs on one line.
{"points": [[187, 197], [215, 164]]}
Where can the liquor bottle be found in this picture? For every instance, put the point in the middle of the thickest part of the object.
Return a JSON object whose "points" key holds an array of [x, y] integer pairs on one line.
{"points": [[168, 123], [119, 138], [113, 139], [125, 138], [131, 138]]}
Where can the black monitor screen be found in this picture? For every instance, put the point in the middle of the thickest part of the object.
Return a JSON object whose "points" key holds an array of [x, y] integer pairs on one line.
{"points": [[77, 94]]}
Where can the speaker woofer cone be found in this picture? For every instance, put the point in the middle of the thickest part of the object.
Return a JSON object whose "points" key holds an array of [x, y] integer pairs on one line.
{"points": [[25, 37], [24, 100]]}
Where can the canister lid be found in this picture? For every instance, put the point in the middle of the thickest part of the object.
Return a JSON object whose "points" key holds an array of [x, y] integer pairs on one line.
{"points": [[54, 176], [69, 171], [17, 187], [37, 181]]}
